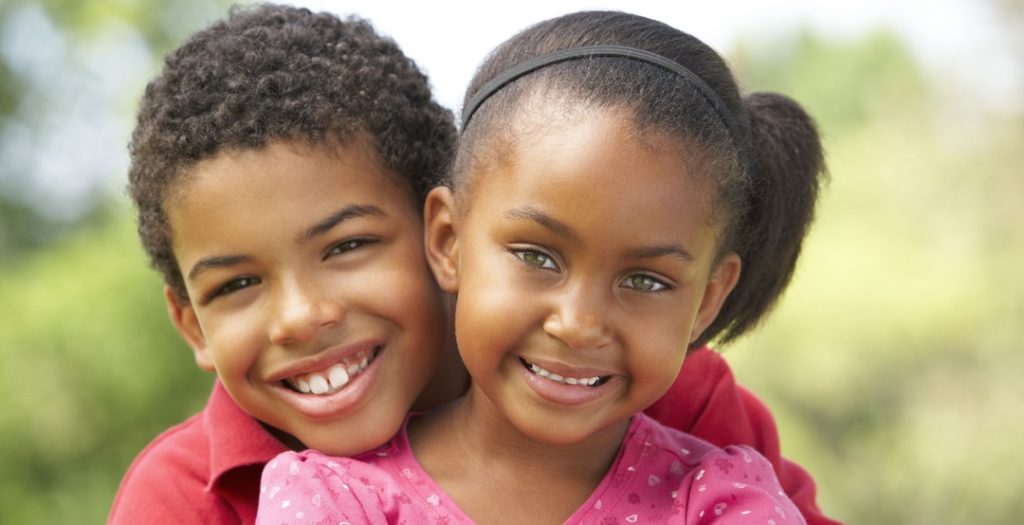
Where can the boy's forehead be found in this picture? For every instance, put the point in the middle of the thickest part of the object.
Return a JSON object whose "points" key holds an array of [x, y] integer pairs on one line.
{"points": [[333, 159], [290, 182]]}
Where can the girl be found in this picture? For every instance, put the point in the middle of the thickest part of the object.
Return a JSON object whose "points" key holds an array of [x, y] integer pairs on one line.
{"points": [[610, 186]]}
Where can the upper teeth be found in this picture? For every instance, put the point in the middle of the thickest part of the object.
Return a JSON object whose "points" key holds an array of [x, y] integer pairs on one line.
{"points": [[330, 380], [589, 381]]}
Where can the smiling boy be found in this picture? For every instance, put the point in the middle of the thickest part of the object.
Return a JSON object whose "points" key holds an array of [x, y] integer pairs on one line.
{"points": [[278, 166]]}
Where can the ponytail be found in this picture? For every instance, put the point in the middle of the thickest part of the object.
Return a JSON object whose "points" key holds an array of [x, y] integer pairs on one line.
{"points": [[788, 167]]}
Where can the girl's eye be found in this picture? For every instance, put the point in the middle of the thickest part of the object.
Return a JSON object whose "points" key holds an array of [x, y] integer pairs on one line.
{"points": [[644, 283], [347, 246], [233, 286], [536, 259]]}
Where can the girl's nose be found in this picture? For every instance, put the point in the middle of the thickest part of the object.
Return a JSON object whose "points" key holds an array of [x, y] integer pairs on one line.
{"points": [[300, 313], [580, 319]]}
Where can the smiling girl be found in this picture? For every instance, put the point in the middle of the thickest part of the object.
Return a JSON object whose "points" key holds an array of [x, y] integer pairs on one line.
{"points": [[614, 203]]}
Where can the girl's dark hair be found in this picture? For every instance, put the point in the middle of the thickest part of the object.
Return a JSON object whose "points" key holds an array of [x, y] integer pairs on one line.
{"points": [[766, 180], [269, 73]]}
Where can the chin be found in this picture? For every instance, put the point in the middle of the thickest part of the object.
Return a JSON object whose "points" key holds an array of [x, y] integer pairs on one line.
{"points": [[347, 443]]}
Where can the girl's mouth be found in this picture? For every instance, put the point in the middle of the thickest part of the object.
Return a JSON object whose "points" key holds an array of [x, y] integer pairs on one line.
{"points": [[551, 376], [334, 377]]}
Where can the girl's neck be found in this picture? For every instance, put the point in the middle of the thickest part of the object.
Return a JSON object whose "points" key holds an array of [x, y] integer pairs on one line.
{"points": [[456, 443]]}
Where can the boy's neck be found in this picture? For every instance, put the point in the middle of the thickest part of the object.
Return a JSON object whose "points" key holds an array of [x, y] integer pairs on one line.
{"points": [[457, 443]]}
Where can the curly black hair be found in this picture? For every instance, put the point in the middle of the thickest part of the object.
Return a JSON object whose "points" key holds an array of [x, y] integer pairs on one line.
{"points": [[766, 179], [276, 73]]}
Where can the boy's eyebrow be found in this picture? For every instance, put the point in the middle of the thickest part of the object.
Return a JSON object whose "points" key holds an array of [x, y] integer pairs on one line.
{"points": [[348, 212], [557, 227], [219, 261]]}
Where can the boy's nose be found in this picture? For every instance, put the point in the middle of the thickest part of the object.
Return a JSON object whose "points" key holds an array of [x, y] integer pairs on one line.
{"points": [[580, 319], [301, 312]]}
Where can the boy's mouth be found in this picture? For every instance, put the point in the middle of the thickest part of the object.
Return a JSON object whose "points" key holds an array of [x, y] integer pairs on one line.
{"points": [[334, 377], [551, 376]]}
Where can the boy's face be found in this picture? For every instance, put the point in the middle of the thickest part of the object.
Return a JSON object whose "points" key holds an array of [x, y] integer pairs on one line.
{"points": [[309, 292]]}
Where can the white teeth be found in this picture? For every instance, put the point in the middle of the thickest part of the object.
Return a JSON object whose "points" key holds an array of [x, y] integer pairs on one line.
{"points": [[331, 380], [588, 381], [338, 376], [318, 385]]}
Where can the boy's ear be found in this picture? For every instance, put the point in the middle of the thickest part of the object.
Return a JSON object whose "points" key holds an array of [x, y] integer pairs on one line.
{"points": [[719, 286], [441, 238], [183, 316]]}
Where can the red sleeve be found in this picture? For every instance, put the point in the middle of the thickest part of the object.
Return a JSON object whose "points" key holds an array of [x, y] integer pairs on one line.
{"points": [[705, 401]]}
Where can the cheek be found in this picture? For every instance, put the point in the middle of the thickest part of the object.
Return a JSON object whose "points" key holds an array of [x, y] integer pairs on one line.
{"points": [[491, 314], [234, 339], [404, 291], [660, 346]]}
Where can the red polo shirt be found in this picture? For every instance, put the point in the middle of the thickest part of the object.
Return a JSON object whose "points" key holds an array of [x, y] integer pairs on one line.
{"points": [[207, 469]]}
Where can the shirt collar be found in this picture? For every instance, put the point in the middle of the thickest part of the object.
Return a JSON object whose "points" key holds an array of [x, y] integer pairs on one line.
{"points": [[236, 438]]}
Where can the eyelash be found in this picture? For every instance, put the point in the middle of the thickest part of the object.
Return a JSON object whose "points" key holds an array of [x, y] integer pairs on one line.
{"points": [[348, 245], [232, 286], [658, 285], [664, 287], [523, 253]]}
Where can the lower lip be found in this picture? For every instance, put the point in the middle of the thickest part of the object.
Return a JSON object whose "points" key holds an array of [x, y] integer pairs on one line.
{"points": [[331, 405], [561, 393]]}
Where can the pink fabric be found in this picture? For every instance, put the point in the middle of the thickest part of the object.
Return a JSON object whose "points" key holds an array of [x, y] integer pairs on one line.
{"points": [[660, 476]]}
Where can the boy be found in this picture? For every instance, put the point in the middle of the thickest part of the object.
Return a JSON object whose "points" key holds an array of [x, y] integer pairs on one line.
{"points": [[279, 166]]}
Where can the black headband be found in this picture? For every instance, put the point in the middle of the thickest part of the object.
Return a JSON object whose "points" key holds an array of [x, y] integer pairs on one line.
{"points": [[563, 55]]}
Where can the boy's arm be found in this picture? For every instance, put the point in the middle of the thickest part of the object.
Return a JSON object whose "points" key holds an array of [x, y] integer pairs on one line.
{"points": [[705, 401]]}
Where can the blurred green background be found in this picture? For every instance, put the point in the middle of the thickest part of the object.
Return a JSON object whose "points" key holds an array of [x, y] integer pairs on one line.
{"points": [[892, 365]]}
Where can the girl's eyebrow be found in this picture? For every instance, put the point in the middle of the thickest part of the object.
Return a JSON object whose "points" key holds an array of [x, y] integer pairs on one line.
{"points": [[351, 211], [529, 213], [651, 252]]}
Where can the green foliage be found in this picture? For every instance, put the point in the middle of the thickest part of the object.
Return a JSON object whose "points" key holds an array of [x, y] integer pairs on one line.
{"points": [[92, 371], [33, 95], [891, 362]]}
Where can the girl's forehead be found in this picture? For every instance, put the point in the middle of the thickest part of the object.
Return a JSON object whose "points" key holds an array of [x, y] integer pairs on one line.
{"points": [[596, 166]]}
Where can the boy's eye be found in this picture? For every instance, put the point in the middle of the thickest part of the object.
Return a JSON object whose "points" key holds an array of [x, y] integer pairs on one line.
{"points": [[232, 286], [644, 283], [536, 259], [347, 246]]}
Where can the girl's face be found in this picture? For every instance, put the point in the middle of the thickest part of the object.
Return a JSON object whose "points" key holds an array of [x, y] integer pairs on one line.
{"points": [[584, 265], [310, 295]]}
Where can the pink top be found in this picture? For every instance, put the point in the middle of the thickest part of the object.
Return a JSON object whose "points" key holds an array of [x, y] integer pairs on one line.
{"points": [[660, 476]]}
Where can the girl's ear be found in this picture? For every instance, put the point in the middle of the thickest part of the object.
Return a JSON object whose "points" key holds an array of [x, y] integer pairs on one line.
{"points": [[183, 316], [719, 286], [441, 238]]}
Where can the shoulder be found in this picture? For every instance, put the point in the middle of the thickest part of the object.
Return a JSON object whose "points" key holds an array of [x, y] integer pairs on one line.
{"points": [[736, 484], [310, 486], [167, 481]]}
